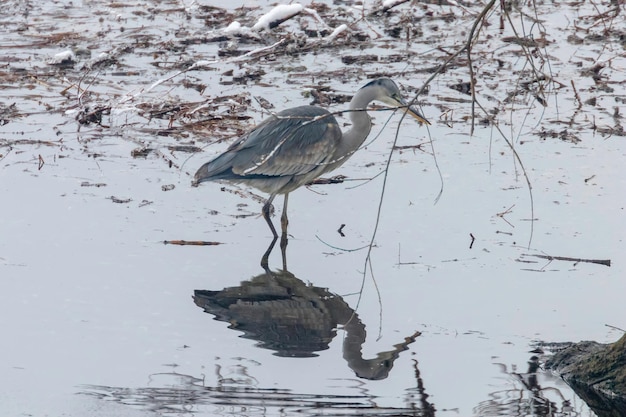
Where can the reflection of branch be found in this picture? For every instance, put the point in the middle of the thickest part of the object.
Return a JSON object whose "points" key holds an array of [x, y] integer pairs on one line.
{"points": [[470, 66], [427, 407], [606, 262]]}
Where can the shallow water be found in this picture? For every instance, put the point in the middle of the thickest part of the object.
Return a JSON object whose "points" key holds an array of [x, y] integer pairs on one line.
{"points": [[99, 315]]}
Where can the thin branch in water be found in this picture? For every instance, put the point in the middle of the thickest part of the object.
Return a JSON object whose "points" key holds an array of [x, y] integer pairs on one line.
{"points": [[578, 100], [368, 258], [505, 212], [338, 248], [412, 102], [615, 328], [365, 181]]}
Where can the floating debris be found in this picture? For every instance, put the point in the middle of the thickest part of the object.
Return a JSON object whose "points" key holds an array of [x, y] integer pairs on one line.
{"points": [[464, 88], [120, 200], [141, 152], [359, 59], [91, 184]]}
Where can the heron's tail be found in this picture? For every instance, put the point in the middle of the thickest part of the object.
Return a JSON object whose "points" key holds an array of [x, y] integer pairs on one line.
{"points": [[219, 168]]}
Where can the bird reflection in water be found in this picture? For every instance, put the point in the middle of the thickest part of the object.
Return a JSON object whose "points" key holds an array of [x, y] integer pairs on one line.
{"points": [[294, 319]]}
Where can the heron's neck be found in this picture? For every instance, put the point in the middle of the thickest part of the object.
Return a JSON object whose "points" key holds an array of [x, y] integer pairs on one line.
{"points": [[361, 123], [361, 126]]}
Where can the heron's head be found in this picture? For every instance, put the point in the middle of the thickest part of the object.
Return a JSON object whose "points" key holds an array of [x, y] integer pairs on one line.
{"points": [[387, 91], [202, 175]]}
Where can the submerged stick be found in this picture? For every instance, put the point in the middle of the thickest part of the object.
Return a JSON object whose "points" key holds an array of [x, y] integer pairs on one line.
{"points": [[191, 243], [606, 262]]}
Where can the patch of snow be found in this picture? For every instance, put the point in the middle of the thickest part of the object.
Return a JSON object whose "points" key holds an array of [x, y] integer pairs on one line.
{"points": [[278, 14], [65, 56], [388, 4], [338, 30], [235, 28]]}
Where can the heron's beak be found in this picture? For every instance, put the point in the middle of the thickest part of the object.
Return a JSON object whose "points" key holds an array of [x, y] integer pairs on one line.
{"points": [[411, 110]]}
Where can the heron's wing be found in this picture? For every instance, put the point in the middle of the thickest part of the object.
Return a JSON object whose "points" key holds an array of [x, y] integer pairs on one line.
{"points": [[294, 142]]}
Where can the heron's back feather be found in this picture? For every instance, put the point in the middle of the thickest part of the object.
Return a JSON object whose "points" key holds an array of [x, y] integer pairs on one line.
{"points": [[280, 154]]}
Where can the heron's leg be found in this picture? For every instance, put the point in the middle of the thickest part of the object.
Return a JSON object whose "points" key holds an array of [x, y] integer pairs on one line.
{"points": [[284, 221], [266, 214], [283, 249]]}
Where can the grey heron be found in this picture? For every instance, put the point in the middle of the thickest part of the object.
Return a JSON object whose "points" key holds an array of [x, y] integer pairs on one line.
{"points": [[297, 145]]}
